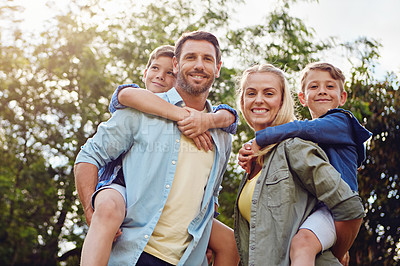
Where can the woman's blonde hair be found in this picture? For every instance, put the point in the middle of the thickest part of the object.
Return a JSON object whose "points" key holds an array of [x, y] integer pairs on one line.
{"points": [[285, 113]]}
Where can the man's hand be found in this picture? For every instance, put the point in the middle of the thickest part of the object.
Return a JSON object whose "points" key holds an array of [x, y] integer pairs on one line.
{"points": [[204, 141], [88, 214], [118, 234], [195, 124]]}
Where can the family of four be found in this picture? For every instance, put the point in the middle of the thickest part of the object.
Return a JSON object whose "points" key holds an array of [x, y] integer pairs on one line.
{"points": [[150, 177]]}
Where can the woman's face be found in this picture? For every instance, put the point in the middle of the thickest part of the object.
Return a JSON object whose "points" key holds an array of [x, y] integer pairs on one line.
{"points": [[262, 99]]}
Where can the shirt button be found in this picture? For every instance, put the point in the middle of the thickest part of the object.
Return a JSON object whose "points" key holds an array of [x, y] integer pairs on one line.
{"points": [[167, 186], [146, 236], [177, 140], [252, 247], [173, 162], [254, 201], [160, 210], [253, 226]]}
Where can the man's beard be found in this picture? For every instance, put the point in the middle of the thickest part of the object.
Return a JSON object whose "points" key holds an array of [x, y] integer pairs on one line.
{"points": [[184, 84]]}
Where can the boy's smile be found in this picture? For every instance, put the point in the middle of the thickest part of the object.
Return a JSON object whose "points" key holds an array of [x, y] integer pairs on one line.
{"points": [[159, 77], [322, 93]]}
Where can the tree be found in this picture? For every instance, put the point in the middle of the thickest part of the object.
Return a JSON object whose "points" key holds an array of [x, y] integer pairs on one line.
{"points": [[376, 103], [54, 94]]}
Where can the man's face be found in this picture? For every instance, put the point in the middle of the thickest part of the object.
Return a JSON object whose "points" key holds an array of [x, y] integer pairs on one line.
{"points": [[197, 67], [159, 77], [322, 93]]}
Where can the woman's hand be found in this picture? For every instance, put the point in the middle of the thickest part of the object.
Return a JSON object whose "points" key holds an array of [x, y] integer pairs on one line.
{"points": [[245, 156]]}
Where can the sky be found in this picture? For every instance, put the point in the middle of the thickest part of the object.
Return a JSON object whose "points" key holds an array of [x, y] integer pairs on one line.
{"points": [[344, 19]]}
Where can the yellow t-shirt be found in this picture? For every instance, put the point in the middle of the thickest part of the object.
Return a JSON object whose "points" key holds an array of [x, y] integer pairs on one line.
{"points": [[170, 236], [246, 196]]}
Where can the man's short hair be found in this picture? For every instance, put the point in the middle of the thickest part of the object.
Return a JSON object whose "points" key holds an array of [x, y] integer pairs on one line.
{"points": [[199, 36], [163, 50]]}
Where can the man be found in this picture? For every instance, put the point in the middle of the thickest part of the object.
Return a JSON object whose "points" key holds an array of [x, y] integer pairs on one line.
{"points": [[172, 187]]}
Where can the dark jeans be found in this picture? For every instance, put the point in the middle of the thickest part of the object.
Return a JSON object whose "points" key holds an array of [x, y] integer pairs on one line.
{"points": [[149, 260]]}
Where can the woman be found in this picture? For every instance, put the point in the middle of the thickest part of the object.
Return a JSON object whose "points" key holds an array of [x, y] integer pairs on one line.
{"points": [[286, 181]]}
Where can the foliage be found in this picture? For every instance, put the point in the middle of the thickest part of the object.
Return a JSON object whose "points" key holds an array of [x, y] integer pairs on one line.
{"points": [[55, 91], [376, 103]]}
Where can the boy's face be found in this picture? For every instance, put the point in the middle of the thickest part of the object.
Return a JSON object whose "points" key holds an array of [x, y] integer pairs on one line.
{"points": [[322, 93], [159, 77]]}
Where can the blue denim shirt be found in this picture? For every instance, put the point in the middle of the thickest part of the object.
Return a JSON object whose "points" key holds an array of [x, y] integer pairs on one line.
{"points": [[337, 132], [151, 147]]}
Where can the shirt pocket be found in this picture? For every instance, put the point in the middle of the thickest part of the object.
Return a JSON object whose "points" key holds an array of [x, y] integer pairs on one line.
{"points": [[278, 187]]}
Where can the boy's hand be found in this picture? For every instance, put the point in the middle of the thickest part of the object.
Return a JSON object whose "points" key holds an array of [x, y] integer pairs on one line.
{"points": [[204, 141], [195, 124]]}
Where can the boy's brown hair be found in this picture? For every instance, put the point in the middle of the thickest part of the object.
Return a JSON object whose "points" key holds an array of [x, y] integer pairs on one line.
{"points": [[335, 73], [163, 50]]}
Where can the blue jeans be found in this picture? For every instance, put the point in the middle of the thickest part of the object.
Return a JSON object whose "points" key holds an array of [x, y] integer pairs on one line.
{"points": [[149, 260]]}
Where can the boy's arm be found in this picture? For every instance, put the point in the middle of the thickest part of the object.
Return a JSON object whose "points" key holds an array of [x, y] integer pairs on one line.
{"points": [[114, 103], [147, 102], [223, 116], [333, 129]]}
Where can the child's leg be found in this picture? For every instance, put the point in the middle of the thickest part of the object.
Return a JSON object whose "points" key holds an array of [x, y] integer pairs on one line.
{"points": [[304, 247], [223, 244], [316, 234], [109, 213], [346, 232]]}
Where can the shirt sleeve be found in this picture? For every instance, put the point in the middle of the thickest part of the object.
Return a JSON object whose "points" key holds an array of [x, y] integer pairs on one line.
{"points": [[332, 129], [312, 169], [114, 103], [114, 137], [232, 127]]}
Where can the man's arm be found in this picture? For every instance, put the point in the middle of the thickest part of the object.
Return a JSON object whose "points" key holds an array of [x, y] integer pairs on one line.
{"points": [[222, 243], [85, 182]]}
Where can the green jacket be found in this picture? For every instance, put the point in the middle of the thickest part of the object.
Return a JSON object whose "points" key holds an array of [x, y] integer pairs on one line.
{"points": [[296, 175]]}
